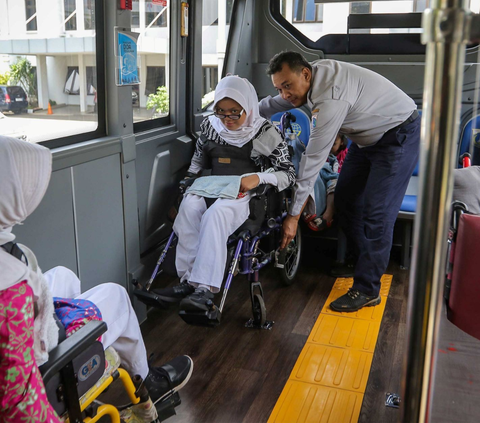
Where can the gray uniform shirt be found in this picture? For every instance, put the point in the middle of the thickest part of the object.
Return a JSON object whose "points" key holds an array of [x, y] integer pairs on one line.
{"points": [[344, 98]]}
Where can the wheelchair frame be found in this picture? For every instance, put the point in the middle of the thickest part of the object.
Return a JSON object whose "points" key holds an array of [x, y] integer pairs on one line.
{"points": [[66, 362], [246, 259]]}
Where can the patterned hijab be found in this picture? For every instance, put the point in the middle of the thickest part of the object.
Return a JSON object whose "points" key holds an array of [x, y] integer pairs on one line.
{"points": [[243, 92]]}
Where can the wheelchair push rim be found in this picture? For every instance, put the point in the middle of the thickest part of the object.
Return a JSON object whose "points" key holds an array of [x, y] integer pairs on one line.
{"points": [[291, 259]]}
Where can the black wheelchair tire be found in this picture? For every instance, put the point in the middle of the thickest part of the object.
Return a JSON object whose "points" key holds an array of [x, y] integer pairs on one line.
{"points": [[289, 271], [259, 310]]}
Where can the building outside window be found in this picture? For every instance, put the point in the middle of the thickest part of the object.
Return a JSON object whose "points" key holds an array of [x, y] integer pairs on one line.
{"points": [[210, 78], [31, 15], [155, 79], [136, 14], [70, 15], [359, 7], [307, 11], [155, 14], [89, 13]]}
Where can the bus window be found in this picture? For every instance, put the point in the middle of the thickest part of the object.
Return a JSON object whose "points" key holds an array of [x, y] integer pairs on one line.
{"points": [[150, 99], [315, 20], [215, 26], [48, 71]]}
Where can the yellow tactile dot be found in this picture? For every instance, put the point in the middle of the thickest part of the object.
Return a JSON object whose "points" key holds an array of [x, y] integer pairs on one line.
{"points": [[304, 402], [331, 373], [335, 367], [336, 331]]}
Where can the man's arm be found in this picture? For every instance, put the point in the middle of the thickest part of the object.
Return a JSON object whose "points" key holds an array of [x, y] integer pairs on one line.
{"points": [[271, 105], [328, 121]]}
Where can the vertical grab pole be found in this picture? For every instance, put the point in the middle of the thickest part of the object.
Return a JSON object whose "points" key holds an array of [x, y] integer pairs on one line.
{"points": [[445, 32]]}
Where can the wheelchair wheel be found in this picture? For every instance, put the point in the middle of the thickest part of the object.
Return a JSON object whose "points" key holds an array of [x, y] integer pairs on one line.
{"points": [[290, 257], [259, 310]]}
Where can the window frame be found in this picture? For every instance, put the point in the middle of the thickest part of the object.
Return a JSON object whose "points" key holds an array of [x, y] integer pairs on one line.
{"points": [[340, 44], [32, 17], [149, 124], [304, 11], [101, 87]]}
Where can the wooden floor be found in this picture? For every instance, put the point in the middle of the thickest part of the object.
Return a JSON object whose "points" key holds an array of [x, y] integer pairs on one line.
{"points": [[239, 373]]}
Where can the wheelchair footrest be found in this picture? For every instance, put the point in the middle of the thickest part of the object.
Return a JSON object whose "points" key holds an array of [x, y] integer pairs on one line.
{"points": [[150, 298], [209, 318], [166, 408], [252, 324]]}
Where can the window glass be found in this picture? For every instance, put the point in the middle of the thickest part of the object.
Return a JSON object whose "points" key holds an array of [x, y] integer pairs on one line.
{"points": [[89, 13], [216, 18], [31, 15], [48, 80], [315, 19], [70, 15], [150, 99]]}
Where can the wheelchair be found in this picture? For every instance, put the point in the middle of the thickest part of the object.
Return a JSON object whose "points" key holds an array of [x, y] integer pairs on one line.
{"points": [[79, 370], [253, 246]]}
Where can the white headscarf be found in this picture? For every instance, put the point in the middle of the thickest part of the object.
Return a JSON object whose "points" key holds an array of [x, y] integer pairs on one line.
{"points": [[243, 92], [25, 171]]}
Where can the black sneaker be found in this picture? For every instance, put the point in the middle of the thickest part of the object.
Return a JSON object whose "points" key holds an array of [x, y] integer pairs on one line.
{"points": [[175, 293], [200, 300], [344, 269], [171, 377], [354, 300]]}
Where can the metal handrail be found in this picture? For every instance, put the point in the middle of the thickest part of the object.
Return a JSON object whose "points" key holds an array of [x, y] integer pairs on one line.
{"points": [[446, 31]]}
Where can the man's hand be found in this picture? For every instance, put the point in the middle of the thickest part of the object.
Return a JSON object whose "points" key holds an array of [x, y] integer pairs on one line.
{"points": [[249, 182], [290, 225]]}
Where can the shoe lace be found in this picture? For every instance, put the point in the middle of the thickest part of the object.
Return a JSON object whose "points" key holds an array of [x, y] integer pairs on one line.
{"points": [[353, 293]]}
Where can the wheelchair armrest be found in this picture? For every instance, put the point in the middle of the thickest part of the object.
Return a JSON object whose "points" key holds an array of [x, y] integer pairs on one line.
{"points": [[67, 350], [260, 190], [185, 183]]}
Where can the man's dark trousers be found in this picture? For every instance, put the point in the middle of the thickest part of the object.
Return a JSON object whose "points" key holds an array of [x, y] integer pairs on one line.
{"points": [[368, 196]]}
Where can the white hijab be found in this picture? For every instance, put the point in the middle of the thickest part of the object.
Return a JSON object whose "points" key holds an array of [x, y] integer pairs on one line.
{"points": [[243, 92], [24, 175]]}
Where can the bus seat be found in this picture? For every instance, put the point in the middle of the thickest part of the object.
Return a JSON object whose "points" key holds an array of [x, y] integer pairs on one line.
{"points": [[464, 297], [407, 215], [301, 126], [469, 131]]}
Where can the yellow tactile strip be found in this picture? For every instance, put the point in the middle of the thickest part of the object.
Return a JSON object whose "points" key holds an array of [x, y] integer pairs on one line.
{"points": [[329, 378]]}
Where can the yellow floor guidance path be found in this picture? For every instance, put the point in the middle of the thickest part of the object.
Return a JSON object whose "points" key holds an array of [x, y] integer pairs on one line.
{"points": [[330, 376]]}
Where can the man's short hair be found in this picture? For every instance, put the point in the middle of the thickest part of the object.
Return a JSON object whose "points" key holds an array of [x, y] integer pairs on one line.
{"points": [[295, 61]]}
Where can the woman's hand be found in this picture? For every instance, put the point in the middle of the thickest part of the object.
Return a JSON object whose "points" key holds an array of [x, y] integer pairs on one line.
{"points": [[249, 182]]}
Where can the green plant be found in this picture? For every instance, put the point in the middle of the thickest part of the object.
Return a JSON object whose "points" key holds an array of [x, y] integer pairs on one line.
{"points": [[52, 102], [23, 74], [207, 99], [4, 78], [159, 101]]}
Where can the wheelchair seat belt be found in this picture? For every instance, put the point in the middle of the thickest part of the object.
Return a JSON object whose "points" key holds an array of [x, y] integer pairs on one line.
{"points": [[13, 249]]}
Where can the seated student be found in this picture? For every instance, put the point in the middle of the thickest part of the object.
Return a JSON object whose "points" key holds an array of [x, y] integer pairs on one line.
{"points": [[325, 183], [233, 142], [466, 187], [24, 340]]}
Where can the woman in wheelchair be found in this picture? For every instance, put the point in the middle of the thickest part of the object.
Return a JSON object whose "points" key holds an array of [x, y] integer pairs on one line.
{"points": [[234, 141], [25, 339]]}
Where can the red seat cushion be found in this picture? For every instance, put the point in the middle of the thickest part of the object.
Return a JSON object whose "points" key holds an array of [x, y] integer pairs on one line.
{"points": [[464, 301]]}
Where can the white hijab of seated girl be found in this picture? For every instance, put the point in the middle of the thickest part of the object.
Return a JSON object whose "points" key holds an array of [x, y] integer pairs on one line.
{"points": [[243, 92]]}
